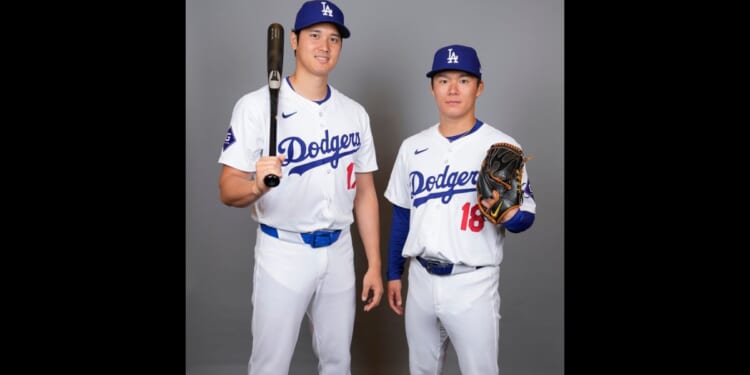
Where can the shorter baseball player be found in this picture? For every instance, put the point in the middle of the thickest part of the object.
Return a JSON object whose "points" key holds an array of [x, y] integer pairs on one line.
{"points": [[304, 260], [454, 251]]}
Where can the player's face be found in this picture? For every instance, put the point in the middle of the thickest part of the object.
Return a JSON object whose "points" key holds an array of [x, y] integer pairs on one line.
{"points": [[318, 48], [455, 93]]}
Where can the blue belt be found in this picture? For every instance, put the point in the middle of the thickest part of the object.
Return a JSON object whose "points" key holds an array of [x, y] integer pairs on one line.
{"points": [[441, 269], [319, 238]]}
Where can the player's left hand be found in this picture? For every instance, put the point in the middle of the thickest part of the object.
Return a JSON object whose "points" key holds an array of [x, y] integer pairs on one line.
{"points": [[372, 283], [499, 185], [489, 202]]}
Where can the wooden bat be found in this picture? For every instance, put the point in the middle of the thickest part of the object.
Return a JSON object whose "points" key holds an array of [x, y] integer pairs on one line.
{"points": [[275, 66]]}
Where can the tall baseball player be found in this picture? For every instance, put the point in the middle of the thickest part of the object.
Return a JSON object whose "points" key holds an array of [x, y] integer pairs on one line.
{"points": [[454, 252], [304, 261]]}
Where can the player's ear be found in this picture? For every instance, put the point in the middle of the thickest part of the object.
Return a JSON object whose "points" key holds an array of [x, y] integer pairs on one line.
{"points": [[293, 40], [480, 88]]}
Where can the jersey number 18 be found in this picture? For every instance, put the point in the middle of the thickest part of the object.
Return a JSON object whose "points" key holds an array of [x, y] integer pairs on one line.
{"points": [[472, 217]]}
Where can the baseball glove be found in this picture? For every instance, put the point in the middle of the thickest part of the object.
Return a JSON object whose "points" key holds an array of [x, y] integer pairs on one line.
{"points": [[500, 180]]}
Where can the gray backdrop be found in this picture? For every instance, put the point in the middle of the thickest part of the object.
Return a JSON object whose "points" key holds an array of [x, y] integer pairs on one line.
{"points": [[383, 66]]}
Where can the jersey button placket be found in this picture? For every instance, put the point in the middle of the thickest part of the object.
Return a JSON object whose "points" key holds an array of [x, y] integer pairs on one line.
{"points": [[329, 171]]}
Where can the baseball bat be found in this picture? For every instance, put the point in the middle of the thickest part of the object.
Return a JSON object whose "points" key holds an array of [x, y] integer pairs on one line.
{"points": [[275, 65]]}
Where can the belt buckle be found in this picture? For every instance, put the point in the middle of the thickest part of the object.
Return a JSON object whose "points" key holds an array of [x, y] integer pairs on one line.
{"points": [[430, 265], [322, 238], [438, 268]]}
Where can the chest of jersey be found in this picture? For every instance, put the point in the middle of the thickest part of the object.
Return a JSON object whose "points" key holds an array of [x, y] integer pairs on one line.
{"points": [[442, 170], [311, 136]]}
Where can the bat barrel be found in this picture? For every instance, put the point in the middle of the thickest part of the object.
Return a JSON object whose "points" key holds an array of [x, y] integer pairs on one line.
{"points": [[275, 54]]}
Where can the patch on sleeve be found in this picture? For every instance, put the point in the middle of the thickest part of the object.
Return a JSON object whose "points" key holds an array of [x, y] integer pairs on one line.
{"points": [[527, 190], [229, 139]]}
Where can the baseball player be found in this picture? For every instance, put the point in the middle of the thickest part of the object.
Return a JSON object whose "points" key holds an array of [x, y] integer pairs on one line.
{"points": [[454, 252], [304, 261]]}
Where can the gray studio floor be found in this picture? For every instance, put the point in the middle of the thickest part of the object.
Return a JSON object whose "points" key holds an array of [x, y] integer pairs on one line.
{"points": [[303, 366]]}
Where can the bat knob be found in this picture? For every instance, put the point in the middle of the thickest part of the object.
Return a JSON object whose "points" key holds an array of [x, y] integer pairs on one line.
{"points": [[271, 180]]}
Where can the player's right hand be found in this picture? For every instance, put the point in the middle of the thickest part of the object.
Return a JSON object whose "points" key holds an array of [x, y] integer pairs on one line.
{"points": [[394, 297], [264, 166]]}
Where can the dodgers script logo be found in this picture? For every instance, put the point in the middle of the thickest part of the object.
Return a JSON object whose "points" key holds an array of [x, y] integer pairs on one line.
{"points": [[446, 182], [452, 57], [326, 11], [332, 148]]}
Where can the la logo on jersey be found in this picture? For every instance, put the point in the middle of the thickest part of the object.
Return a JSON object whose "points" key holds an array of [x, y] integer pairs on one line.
{"points": [[326, 11], [452, 57]]}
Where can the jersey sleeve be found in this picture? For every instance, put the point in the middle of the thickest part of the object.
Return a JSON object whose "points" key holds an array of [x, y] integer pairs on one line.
{"points": [[243, 143], [528, 204], [366, 159], [397, 191]]}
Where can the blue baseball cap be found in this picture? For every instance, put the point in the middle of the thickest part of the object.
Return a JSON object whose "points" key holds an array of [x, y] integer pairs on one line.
{"points": [[456, 57], [313, 12]]}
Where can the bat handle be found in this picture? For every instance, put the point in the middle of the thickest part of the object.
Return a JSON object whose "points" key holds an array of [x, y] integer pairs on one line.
{"points": [[271, 180]]}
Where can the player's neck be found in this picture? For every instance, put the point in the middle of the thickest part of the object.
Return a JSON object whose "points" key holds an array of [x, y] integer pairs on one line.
{"points": [[450, 127], [309, 86]]}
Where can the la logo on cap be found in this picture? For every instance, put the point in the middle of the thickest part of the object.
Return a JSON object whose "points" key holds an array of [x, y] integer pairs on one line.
{"points": [[326, 11], [452, 57]]}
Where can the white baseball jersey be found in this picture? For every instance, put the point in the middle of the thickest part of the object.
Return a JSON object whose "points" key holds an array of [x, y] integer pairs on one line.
{"points": [[436, 180], [325, 145]]}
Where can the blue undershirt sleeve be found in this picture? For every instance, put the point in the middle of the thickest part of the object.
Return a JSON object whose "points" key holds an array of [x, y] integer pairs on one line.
{"points": [[521, 221], [399, 231]]}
